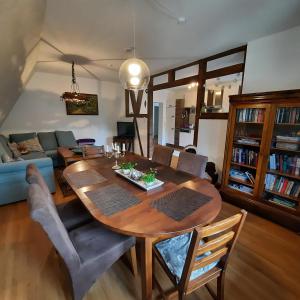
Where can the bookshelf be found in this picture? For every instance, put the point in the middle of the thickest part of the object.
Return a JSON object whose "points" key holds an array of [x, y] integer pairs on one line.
{"points": [[261, 170]]}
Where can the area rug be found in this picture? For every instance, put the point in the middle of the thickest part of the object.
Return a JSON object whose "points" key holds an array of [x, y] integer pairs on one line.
{"points": [[63, 184]]}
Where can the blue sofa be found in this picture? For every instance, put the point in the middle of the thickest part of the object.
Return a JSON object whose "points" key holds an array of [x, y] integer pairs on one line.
{"points": [[13, 186]]}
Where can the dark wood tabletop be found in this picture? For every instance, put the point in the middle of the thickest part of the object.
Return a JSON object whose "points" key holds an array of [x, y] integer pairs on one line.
{"points": [[142, 220]]}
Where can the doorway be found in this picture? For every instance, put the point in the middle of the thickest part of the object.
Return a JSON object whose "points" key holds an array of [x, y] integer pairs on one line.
{"points": [[157, 123]]}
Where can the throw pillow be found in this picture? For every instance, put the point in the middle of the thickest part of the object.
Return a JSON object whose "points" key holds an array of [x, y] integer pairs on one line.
{"points": [[7, 159], [31, 145], [14, 149]]}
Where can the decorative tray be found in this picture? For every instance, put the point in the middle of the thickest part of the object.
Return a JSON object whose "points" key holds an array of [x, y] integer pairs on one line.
{"points": [[155, 184]]}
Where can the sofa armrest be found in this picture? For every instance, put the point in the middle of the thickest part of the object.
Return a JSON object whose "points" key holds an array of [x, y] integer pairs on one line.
{"points": [[17, 166]]}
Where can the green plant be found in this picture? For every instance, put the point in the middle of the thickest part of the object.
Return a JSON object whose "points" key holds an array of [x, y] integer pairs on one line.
{"points": [[127, 165], [149, 176]]}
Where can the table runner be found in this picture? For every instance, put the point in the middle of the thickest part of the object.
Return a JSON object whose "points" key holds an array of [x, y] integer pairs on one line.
{"points": [[86, 178], [181, 203], [112, 199]]}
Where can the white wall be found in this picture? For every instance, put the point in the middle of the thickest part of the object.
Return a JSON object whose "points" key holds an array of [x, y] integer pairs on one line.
{"points": [[39, 108], [273, 62]]}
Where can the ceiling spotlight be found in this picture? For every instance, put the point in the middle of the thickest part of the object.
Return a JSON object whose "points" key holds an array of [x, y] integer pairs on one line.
{"points": [[181, 20]]}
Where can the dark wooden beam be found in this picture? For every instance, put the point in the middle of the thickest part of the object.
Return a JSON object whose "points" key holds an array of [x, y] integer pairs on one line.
{"points": [[226, 53], [134, 103], [200, 98], [238, 68], [178, 82]]}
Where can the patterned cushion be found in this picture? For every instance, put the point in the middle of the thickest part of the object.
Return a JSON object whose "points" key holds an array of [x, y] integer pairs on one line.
{"points": [[14, 149], [32, 145], [174, 252]]}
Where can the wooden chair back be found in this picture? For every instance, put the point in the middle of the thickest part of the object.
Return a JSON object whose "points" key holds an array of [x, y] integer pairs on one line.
{"points": [[219, 238], [162, 155]]}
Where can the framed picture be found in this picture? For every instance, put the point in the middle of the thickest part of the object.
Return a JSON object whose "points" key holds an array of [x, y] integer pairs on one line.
{"points": [[90, 107]]}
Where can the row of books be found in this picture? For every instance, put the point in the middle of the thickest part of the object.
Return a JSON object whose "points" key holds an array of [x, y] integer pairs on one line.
{"points": [[288, 115], [250, 115], [243, 176], [282, 185], [241, 188], [244, 156], [283, 202], [285, 163]]}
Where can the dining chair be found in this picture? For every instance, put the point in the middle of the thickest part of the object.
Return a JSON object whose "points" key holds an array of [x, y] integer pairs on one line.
{"points": [[72, 213], [192, 163], [194, 259], [90, 150], [162, 155], [88, 251]]}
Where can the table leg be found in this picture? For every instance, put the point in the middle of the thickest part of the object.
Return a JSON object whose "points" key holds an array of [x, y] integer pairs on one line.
{"points": [[146, 268]]}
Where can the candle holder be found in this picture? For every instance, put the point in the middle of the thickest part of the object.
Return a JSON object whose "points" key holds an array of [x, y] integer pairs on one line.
{"points": [[117, 154]]}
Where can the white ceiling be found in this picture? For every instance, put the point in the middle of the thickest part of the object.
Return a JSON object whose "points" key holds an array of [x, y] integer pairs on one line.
{"points": [[102, 29], [96, 32]]}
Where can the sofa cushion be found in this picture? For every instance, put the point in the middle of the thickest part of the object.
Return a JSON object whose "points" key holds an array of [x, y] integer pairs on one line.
{"points": [[20, 137], [4, 149], [48, 140], [66, 139], [14, 149], [33, 155], [6, 158], [31, 145], [51, 153]]}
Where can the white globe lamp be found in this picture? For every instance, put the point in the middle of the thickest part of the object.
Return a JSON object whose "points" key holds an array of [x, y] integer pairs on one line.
{"points": [[134, 74]]}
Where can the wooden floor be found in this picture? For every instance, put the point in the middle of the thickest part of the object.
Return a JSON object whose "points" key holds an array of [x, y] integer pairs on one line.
{"points": [[265, 264]]}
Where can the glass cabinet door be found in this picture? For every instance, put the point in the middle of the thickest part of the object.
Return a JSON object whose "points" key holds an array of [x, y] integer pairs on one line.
{"points": [[282, 179], [245, 151]]}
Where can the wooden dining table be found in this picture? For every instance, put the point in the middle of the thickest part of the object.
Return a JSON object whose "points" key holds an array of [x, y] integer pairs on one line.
{"points": [[142, 220]]}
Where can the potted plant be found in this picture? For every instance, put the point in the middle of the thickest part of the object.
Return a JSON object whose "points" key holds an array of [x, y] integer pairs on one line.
{"points": [[126, 167], [149, 177]]}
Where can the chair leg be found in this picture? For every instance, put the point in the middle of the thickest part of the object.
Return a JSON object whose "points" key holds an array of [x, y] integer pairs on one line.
{"points": [[220, 287], [133, 261]]}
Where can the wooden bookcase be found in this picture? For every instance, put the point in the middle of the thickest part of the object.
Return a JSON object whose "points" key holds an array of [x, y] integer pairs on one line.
{"points": [[261, 170]]}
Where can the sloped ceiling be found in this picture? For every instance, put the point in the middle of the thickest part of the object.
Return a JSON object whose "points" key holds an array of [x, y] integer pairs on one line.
{"points": [[20, 28], [96, 34]]}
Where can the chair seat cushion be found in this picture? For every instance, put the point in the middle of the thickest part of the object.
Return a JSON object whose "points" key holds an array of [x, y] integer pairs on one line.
{"points": [[93, 241], [73, 214], [174, 252]]}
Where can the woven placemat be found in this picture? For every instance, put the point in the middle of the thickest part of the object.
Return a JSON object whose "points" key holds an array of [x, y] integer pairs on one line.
{"points": [[181, 203], [177, 177], [85, 178], [112, 199]]}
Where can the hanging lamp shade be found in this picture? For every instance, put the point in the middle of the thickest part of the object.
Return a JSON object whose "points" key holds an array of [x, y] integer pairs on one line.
{"points": [[134, 74]]}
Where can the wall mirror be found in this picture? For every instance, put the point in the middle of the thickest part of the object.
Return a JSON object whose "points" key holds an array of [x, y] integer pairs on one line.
{"points": [[174, 115], [218, 90]]}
